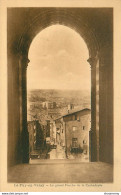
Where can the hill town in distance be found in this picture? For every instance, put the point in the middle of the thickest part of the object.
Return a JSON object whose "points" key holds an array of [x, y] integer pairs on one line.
{"points": [[59, 122]]}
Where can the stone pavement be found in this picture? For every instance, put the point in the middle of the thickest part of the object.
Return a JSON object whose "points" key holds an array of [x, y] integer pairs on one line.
{"points": [[58, 153], [64, 172]]}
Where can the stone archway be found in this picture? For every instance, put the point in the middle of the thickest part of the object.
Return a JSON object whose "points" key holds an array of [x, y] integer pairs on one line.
{"points": [[78, 19]]}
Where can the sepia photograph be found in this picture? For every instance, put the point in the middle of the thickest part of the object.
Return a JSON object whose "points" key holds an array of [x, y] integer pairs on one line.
{"points": [[60, 95]]}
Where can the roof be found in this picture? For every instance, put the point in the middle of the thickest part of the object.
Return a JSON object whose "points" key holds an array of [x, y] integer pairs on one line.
{"points": [[72, 112], [76, 111], [58, 118]]}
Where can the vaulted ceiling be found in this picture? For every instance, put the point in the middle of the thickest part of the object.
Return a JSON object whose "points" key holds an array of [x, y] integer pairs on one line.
{"points": [[93, 24]]}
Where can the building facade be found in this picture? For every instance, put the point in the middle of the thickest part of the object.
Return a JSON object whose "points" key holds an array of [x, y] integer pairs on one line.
{"points": [[72, 132], [77, 127], [36, 136], [49, 105]]}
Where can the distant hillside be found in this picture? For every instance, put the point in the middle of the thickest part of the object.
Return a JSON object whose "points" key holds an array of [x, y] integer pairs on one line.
{"points": [[53, 94], [62, 98]]}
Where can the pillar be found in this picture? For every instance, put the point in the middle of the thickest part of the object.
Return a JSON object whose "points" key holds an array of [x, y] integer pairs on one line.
{"points": [[23, 63], [94, 132], [106, 104]]}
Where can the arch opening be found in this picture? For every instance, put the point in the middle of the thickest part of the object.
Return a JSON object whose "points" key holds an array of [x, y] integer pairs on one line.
{"points": [[59, 95]]}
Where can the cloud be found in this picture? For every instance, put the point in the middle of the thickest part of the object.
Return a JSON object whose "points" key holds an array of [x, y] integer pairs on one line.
{"points": [[58, 58]]}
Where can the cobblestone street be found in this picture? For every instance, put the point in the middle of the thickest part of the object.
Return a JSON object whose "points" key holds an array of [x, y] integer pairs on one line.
{"points": [[58, 153]]}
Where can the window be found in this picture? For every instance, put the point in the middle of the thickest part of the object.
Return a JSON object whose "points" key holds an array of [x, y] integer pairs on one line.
{"points": [[74, 143], [83, 127], [75, 117], [84, 141], [78, 118], [74, 128]]}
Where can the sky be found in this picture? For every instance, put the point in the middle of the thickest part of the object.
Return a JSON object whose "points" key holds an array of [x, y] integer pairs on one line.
{"points": [[58, 60]]}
